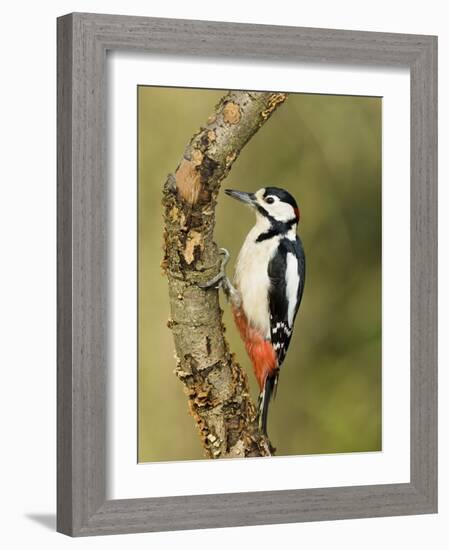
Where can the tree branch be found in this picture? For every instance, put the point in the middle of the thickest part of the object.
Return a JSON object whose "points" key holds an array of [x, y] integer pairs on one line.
{"points": [[216, 386]]}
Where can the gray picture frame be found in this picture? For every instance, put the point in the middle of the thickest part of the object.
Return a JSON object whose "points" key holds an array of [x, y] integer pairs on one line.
{"points": [[83, 41]]}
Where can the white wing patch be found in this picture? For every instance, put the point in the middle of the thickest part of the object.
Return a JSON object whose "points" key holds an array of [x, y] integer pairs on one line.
{"points": [[292, 278]]}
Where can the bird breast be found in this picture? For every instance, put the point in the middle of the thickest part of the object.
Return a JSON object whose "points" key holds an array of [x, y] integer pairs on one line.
{"points": [[252, 281]]}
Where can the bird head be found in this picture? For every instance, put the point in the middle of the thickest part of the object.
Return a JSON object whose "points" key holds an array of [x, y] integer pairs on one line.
{"points": [[276, 204]]}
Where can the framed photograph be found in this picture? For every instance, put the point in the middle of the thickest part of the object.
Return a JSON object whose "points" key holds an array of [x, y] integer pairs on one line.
{"points": [[247, 274]]}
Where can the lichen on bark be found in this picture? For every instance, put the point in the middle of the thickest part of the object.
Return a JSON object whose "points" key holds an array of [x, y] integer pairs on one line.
{"points": [[216, 386]]}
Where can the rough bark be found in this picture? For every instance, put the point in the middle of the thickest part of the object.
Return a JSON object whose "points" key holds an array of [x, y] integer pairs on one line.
{"points": [[216, 386]]}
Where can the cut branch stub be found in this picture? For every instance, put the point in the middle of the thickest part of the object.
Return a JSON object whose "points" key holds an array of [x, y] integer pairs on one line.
{"points": [[216, 386]]}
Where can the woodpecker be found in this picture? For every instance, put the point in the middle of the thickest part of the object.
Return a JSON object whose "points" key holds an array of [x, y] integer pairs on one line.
{"points": [[268, 285]]}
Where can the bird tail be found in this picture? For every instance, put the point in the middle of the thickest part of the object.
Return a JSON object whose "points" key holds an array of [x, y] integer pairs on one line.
{"points": [[268, 392]]}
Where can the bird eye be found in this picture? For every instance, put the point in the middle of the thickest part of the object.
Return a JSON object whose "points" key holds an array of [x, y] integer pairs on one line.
{"points": [[269, 200]]}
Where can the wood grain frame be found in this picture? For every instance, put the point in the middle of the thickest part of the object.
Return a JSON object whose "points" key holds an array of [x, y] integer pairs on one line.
{"points": [[83, 40]]}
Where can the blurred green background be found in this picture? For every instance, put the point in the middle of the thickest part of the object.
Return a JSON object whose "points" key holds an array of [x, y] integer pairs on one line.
{"points": [[326, 150]]}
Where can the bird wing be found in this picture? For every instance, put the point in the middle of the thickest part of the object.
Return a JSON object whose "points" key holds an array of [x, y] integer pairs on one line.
{"points": [[286, 271]]}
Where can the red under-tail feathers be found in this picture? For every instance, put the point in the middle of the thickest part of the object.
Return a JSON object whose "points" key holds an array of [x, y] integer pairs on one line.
{"points": [[260, 351]]}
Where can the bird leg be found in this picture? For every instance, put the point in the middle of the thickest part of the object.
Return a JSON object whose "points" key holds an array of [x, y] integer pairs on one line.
{"points": [[222, 280]]}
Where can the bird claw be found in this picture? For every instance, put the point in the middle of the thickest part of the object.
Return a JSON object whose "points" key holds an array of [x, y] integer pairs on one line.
{"points": [[219, 279]]}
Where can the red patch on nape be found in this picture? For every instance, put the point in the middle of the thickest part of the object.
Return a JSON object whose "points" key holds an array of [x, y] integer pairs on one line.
{"points": [[260, 351], [297, 213]]}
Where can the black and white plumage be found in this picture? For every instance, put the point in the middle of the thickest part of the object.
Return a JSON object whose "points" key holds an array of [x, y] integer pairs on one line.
{"points": [[269, 282], [286, 271]]}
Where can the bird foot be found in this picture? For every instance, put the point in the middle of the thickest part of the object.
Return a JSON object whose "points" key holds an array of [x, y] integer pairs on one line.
{"points": [[217, 281], [221, 279]]}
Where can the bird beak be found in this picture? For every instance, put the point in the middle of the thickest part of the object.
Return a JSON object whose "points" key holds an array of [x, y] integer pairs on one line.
{"points": [[247, 198]]}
